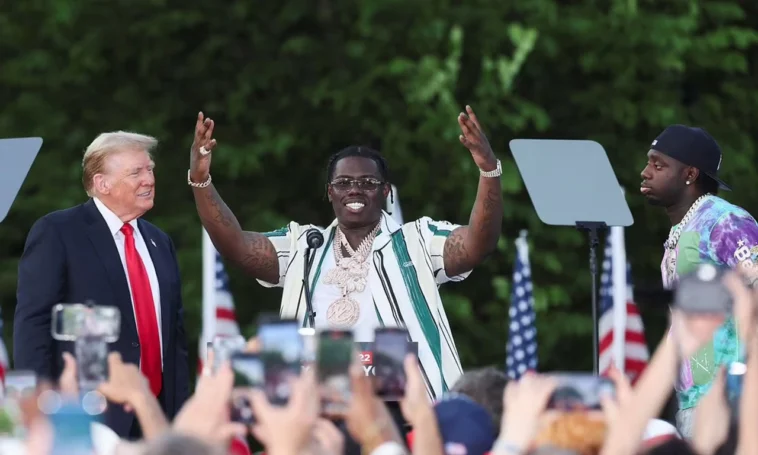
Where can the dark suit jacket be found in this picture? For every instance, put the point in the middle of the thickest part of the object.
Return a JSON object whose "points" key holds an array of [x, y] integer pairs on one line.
{"points": [[71, 257]]}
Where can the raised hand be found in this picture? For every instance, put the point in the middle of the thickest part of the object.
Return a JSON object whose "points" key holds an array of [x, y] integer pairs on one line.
{"points": [[202, 146], [415, 405], [475, 140], [523, 403]]}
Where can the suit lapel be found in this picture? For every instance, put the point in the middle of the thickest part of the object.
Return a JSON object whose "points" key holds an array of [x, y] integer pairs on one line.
{"points": [[105, 248], [163, 272]]}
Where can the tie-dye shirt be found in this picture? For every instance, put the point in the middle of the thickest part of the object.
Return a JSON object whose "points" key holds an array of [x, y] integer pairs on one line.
{"points": [[723, 234]]}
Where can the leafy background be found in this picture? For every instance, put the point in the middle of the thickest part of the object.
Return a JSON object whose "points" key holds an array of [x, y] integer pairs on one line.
{"points": [[291, 82]]}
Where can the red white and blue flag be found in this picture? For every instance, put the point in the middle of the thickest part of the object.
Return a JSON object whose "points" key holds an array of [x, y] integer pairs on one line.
{"points": [[219, 317], [621, 332]]}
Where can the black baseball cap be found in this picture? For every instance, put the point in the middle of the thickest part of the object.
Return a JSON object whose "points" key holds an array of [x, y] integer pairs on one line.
{"points": [[693, 147]]}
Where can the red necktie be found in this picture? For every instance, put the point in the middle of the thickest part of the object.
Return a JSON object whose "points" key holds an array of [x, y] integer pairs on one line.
{"points": [[144, 309]]}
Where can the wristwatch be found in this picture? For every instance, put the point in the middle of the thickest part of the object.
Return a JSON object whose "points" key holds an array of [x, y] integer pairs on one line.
{"points": [[496, 173]]}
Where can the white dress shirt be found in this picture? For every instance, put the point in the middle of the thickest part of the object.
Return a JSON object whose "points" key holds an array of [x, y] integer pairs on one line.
{"points": [[115, 225]]}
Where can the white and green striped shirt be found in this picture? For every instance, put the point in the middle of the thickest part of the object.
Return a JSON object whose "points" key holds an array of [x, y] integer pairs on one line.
{"points": [[408, 268]]}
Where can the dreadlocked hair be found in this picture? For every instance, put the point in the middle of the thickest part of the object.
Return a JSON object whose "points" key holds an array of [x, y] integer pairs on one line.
{"points": [[361, 151]]}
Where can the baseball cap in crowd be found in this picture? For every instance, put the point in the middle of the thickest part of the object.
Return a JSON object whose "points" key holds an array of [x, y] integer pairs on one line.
{"points": [[466, 428], [693, 147]]}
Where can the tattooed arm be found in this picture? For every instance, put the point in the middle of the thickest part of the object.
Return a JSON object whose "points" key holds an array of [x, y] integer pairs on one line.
{"points": [[251, 251], [468, 245]]}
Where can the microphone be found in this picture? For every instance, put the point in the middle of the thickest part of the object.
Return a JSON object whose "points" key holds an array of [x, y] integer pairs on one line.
{"points": [[314, 239]]}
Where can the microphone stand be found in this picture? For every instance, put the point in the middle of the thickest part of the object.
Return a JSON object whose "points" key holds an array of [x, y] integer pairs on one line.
{"points": [[313, 239], [310, 255]]}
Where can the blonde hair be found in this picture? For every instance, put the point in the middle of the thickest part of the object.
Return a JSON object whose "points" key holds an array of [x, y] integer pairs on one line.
{"points": [[106, 144]]}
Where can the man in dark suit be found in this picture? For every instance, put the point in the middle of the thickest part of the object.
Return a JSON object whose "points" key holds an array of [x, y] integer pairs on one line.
{"points": [[102, 251]]}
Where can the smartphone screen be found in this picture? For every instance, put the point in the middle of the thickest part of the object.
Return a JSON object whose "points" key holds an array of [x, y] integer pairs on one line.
{"points": [[391, 346], [70, 321], [91, 353], [335, 354], [580, 392], [281, 353], [18, 385], [248, 374], [224, 347]]}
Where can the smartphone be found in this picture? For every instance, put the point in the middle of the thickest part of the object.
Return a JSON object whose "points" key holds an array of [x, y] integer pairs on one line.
{"points": [[335, 353], [72, 430], [580, 392], [391, 346], [18, 385], [248, 374], [70, 321], [224, 347], [282, 354], [702, 292], [91, 353], [735, 375], [309, 345]]}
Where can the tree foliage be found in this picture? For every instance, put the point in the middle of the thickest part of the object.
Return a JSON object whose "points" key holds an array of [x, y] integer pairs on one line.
{"points": [[289, 83]]}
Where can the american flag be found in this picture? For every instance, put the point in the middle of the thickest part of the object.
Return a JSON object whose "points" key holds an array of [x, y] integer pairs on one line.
{"points": [[219, 318], [621, 333], [522, 332]]}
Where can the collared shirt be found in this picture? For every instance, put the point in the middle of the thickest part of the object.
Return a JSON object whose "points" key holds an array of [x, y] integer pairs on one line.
{"points": [[407, 268], [725, 235], [115, 225]]}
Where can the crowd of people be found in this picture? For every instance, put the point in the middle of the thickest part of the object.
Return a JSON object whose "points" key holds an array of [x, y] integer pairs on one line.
{"points": [[483, 413], [370, 272]]}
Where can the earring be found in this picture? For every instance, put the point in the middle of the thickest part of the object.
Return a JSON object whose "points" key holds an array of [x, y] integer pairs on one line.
{"points": [[688, 182]]}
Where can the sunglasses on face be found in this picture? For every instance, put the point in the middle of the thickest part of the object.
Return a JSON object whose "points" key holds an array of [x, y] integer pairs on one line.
{"points": [[365, 184]]}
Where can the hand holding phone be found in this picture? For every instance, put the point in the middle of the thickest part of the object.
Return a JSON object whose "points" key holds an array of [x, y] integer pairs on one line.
{"points": [[224, 347], [335, 355], [282, 354], [91, 352], [391, 346], [248, 374], [580, 392], [18, 386]]}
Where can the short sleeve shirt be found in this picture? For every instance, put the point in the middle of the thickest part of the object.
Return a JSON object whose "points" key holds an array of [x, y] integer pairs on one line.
{"points": [[725, 235]]}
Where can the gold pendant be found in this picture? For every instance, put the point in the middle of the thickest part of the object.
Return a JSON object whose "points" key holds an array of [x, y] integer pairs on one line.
{"points": [[343, 312]]}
